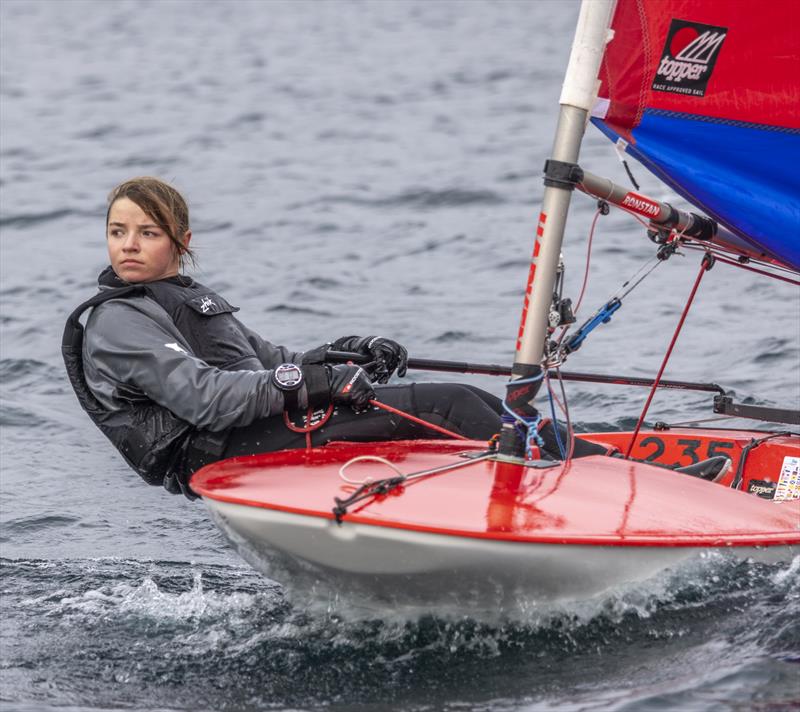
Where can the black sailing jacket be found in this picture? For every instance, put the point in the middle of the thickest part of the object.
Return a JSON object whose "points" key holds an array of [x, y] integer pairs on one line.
{"points": [[163, 364]]}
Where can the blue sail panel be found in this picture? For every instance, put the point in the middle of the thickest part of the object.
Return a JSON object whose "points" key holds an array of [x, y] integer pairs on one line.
{"points": [[745, 176]]}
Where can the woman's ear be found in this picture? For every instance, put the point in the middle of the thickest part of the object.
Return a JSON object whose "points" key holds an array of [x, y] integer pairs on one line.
{"points": [[187, 236]]}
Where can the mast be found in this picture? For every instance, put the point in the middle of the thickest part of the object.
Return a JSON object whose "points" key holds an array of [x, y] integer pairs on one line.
{"points": [[578, 94]]}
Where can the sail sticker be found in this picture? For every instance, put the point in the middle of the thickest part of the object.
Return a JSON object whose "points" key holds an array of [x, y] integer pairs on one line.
{"points": [[789, 481], [640, 204], [600, 107], [531, 274], [763, 488], [689, 56]]}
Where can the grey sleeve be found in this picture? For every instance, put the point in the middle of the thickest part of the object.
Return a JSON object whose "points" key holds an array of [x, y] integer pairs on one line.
{"points": [[269, 354], [126, 346]]}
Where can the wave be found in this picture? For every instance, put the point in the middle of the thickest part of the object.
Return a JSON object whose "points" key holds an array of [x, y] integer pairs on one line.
{"points": [[13, 369], [288, 309], [324, 283], [98, 132], [228, 639], [16, 417], [420, 198]]}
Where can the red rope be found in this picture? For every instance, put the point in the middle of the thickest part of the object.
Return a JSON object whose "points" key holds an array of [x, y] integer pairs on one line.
{"points": [[706, 265], [307, 429], [419, 421], [588, 262]]}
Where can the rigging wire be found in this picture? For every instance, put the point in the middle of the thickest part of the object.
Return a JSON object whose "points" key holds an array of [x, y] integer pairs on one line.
{"points": [[621, 295], [562, 451], [695, 421], [602, 209], [627, 287], [570, 432], [712, 252], [706, 264], [658, 259], [723, 256]]}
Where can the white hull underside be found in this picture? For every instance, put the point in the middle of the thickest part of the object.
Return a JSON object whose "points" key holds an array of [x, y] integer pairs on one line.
{"points": [[385, 566]]}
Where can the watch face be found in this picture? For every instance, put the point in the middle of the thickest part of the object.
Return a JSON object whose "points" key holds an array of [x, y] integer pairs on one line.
{"points": [[288, 376]]}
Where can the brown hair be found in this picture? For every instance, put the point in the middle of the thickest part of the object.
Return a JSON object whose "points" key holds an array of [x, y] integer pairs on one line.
{"points": [[162, 203]]}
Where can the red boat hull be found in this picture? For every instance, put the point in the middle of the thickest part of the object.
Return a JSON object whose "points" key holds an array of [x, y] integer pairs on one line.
{"points": [[594, 500]]}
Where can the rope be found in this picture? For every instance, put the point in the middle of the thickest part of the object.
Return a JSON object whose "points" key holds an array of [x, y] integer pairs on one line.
{"points": [[597, 214], [418, 421], [369, 488], [527, 428], [570, 431], [705, 265], [561, 449], [366, 458], [310, 426]]}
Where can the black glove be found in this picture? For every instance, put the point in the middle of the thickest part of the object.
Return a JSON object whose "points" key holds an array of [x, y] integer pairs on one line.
{"points": [[388, 355], [349, 385], [316, 355]]}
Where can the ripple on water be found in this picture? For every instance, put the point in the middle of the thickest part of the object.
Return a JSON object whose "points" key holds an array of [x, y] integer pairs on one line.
{"points": [[448, 337], [290, 309], [35, 523], [26, 220]]}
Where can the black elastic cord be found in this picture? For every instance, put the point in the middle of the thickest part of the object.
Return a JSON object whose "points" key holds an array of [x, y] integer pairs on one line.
{"points": [[365, 491], [630, 174], [752, 445]]}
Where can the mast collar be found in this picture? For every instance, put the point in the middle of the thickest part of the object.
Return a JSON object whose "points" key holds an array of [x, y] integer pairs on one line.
{"points": [[559, 174]]}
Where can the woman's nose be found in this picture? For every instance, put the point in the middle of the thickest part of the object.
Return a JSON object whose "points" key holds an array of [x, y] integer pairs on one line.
{"points": [[131, 243]]}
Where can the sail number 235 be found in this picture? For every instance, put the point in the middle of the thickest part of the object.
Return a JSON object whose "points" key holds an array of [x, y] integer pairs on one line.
{"points": [[690, 448]]}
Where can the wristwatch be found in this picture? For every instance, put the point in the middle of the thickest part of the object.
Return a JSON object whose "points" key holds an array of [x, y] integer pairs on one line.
{"points": [[289, 378]]}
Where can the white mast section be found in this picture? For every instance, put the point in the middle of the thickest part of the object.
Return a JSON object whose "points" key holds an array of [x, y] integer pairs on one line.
{"points": [[578, 95]]}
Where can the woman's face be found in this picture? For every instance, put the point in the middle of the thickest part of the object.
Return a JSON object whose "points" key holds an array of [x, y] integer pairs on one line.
{"points": [[139, 250]]}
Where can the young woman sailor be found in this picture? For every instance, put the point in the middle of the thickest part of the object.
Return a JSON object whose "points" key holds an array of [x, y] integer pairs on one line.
{"points": [[176, 381]]}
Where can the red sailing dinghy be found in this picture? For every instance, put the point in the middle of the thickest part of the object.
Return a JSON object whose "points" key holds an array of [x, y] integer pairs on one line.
{"points": [[445, 522]]}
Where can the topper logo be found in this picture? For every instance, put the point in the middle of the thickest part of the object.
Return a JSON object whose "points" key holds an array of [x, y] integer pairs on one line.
{"points": [[687, 61], [206, 304], [702, 48], [692, 61], [760, 489]]}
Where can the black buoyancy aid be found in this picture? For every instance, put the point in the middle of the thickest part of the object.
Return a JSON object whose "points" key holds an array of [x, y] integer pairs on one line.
{"points": [[150, 437]]}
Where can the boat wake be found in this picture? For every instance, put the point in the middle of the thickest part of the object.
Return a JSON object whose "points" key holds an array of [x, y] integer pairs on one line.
{"points": [[111, 631]]}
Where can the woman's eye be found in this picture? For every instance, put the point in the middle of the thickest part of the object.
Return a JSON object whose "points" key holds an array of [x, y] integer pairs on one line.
{"points": [[150, 233], [115, 233]]}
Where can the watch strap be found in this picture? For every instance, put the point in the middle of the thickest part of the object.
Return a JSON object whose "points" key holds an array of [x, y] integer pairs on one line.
{"points": [[317, 384]]}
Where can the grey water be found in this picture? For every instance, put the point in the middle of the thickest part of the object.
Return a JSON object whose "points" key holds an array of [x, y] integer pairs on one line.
{"points": [[352, 167]]}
